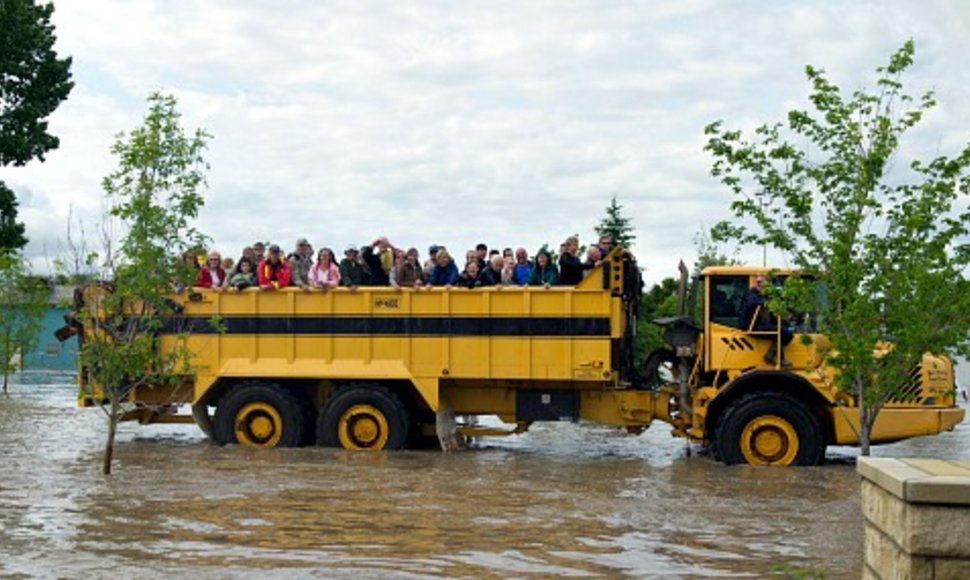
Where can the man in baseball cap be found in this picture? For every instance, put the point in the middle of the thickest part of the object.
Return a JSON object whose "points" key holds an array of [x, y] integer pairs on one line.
{"points": [[300, 261], [351, 274], [274, 271]]}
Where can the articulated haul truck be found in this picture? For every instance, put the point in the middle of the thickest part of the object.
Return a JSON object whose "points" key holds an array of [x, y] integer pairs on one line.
{"points": [[373, 368]]}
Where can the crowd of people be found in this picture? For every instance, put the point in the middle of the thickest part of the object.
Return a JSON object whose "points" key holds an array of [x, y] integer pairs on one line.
{"points": [[265, 266]]}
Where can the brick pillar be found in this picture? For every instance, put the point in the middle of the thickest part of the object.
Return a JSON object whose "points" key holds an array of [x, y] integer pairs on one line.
{"points": [[917, 515]]}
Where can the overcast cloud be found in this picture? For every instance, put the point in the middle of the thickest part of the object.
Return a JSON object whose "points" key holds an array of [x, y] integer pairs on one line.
{"points": [[510, 122]]}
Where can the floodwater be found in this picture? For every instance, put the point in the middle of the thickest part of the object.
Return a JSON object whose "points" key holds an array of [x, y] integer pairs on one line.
{"points": [[564, 499]]}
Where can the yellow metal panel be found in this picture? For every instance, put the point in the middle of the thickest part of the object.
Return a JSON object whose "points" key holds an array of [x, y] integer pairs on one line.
{"points": [[893, 424], [315, 368], [427, 356], [465, 302], [507, 358], [466, 357], [480, 401], [621, 408], [420, 358], [547, 302], [507, 302], [547, 357], [590, 302], [428, 301], [734, 349]]}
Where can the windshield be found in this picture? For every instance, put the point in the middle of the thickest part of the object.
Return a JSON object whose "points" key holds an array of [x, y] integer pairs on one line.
{"points": [[726, 296]]}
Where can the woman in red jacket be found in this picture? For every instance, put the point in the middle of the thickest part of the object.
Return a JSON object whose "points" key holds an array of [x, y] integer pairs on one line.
{"points": [[274, 271], [211, 275]]}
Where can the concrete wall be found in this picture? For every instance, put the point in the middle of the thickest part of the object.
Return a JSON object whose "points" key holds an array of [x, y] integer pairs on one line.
{"points": [[917, 515]]}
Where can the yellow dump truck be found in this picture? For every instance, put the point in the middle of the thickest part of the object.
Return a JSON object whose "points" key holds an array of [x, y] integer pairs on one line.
{"points": [[373, 369]]}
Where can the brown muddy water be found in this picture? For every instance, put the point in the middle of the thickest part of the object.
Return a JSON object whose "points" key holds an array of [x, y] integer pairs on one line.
{"points": [[563, 500]]}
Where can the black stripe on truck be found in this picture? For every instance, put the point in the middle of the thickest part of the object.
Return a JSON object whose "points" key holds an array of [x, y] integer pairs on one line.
{"points": [[390, 326]]}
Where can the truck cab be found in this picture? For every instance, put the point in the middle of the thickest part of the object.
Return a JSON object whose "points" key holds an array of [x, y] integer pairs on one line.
{"points": [[751, 411]]}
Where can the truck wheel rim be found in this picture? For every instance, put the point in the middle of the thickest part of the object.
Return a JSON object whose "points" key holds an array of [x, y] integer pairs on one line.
{"points": [[259, 425], [769, 440], [363, 427]]}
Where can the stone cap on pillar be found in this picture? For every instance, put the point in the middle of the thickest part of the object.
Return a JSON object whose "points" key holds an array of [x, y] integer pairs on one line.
{"points": [[934, 481]]}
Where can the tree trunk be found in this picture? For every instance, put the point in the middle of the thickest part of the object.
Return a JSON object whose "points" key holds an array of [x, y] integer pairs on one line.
{"points": [[109, 448], [5, 375], [865, 428]]}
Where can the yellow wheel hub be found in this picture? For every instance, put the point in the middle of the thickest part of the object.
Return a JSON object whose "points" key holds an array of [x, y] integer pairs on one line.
{"points": [[259, 425], [363, 427], [769, 440]]}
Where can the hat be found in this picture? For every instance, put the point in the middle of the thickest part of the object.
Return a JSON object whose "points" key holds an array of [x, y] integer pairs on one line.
{"points": [[350, 248], [274, 249], [433, 249], [302, 242]]}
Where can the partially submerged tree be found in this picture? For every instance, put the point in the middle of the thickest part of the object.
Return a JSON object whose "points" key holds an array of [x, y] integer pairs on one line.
{"points": [[616, 225], [155, 194], [889, 244], [23, 301]]}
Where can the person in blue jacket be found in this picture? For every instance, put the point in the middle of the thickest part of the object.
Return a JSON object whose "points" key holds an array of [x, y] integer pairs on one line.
{"points": [[523, 267], [444, 272]]}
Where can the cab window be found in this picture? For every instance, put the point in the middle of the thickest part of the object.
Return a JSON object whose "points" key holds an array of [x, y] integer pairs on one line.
{"points": [[726, 297]]}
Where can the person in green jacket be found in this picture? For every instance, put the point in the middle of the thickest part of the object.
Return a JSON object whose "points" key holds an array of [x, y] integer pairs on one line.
{"points": [[544, 273]]}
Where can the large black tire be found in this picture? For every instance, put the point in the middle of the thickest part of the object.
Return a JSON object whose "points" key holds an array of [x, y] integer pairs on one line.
{"points": [[769, 428], [418, 440], [364, 417], [200, 413], [260, 415], [659, 369]]}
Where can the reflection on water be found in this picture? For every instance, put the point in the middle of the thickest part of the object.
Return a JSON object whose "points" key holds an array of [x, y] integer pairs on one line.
{"points": [[564, 499]]}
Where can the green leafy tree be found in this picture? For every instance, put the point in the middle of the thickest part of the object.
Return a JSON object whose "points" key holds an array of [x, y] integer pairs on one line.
{"points": [[23, 301], [659, 301], [155, 193], [710, 249], [616, 225], [890, 246], [11, 231], [33, 83], [33, 80]]}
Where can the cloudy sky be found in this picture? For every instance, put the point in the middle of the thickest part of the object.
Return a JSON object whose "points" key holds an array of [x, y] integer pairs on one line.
{"points": [[457, 122]]}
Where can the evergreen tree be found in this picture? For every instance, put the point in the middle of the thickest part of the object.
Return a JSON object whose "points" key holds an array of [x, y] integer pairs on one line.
{"points": [[616, 225]]}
